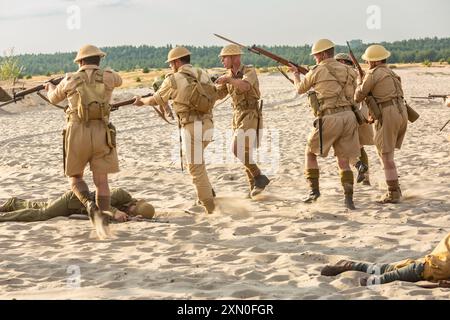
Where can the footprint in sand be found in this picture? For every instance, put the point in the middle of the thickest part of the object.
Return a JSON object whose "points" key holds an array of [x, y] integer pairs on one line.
{"points": [[243, 231]]}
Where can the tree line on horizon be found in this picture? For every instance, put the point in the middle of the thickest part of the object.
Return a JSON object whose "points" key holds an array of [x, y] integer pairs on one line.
{"points": [[128, 58]]}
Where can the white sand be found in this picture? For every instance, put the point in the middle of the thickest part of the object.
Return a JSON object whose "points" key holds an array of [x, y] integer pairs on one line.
{"points": [[273, 248]]}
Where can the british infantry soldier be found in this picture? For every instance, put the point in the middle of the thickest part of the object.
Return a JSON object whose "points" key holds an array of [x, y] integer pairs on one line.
{"points": [[382, 89], [241, 82], [433, 267], [123, 206], [193, 96], [332, 101], [365, 131], [89, 136]]}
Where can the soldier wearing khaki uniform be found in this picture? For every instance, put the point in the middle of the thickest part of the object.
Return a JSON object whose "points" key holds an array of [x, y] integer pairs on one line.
{"points": [[385, 87], [197, 126], [433, 267], [333, 83], [365, 131], [241, 82], [89, 137], [123, 207]]}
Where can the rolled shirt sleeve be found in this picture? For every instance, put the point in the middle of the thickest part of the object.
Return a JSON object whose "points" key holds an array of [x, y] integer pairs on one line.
{"points": [[305, 84], [59, 93], [164, 93]]}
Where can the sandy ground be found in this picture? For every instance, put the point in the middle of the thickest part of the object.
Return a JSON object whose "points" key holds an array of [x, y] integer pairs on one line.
{"points": [[272, 248]]}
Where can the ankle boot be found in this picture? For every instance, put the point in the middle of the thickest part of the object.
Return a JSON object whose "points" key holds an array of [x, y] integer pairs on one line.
{"points": [[393, 194], [338, 268], [312, 176], [347, 184]]}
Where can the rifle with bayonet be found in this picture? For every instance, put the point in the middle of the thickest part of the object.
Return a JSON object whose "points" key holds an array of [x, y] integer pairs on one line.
{"points": [[355, 61], [161, 111], [268, 54], [17, 96], [434, 96]]}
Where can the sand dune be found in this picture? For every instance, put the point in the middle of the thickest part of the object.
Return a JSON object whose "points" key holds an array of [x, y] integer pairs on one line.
{"points": [[273, 248]]}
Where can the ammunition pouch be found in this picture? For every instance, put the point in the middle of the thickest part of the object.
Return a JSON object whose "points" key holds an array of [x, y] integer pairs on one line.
{"points": [[412, 114]]}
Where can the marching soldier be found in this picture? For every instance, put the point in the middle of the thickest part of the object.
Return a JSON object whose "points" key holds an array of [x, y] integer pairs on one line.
{"points": [[89, 137], [241, 82], [194, 112], [123, 206], [332, 101], [433, 267], [382, 89], [365, 131]]}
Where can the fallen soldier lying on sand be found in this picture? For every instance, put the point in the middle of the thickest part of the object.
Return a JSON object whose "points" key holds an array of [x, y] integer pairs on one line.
{"points": [[434, 267]]}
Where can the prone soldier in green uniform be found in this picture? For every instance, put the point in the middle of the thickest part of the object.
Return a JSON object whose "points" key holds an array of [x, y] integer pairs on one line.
{"points": [[123, 206]]}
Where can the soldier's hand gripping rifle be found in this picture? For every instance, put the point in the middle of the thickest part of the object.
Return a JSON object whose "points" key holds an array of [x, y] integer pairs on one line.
{"points": [[17, 96], [117, 105], [268, 54], [161, 112]]}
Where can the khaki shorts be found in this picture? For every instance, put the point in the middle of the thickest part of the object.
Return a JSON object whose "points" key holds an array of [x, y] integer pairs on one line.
{"points": [[390, 133], [242, 122], [246, 120], [340, 131], [88, 144], [365, 132]]}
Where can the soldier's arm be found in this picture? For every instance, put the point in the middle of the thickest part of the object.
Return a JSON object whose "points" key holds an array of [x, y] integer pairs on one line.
{"points": [[113, 79], [240, 85], [363, 90], [56, 94], [222, 91], [161, 97], [304, 85]]}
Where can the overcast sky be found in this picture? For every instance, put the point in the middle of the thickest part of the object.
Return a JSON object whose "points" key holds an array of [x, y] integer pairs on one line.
{"points": [[64, 25]]}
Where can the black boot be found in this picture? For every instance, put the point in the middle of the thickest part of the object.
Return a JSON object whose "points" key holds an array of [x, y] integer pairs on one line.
{"points": [[347, 184], [362, 169], [261, 182]]}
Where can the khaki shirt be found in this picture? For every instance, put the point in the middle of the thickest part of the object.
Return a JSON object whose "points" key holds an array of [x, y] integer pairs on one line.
{"points": [[67, 87], [331, 92], [242, 100], [382, 82], [174, 88]]}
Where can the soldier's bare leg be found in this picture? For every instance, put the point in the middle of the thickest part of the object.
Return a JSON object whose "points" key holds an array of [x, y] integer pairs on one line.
{"points": [[80, 189], [347, 181], [103, 194]]}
